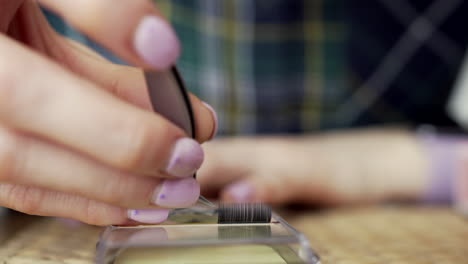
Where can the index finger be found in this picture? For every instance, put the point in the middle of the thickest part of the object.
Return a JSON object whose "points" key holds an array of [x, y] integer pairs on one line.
{"points": [[73, 112], [129, 84], [132, 29]]}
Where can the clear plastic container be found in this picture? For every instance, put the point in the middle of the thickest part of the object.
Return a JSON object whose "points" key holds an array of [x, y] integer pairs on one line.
{"points": [[193, 236]]}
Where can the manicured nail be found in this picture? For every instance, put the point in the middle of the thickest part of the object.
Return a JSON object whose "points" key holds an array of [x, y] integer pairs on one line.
{"points": [[177, 193], [186, 158], [215, 119], [148, 216], [156, 42], [240, 192]]}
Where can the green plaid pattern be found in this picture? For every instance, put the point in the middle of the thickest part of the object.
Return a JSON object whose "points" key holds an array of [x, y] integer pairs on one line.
{"points": [[261, 64], [290, 66], [296, 66]]}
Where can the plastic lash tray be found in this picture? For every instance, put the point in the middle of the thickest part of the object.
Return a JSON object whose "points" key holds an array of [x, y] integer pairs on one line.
{"points": [[193, 235]]}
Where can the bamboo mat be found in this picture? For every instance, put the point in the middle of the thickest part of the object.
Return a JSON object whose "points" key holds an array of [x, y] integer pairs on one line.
{"points": [[388, 235]]}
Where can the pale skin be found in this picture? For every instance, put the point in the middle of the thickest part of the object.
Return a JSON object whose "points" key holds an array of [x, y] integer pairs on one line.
{"points": [[339, 168], [78, 138]]}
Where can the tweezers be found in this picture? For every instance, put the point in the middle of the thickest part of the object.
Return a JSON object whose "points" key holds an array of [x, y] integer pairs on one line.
{"points": [[170, 98]]}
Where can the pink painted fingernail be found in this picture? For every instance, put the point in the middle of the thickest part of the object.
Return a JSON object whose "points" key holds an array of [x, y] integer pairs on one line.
{"points": [[156, 42], [148, 216], [241, 192], [187, 157], [177, 193], [215, 119]]}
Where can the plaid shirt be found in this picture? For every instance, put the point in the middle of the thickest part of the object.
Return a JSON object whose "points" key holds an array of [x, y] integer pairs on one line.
{"points": [[288, 66], [295, 66]]}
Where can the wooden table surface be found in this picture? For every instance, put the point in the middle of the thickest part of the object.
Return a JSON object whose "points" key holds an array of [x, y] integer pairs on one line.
{"points": [[385, 234]]}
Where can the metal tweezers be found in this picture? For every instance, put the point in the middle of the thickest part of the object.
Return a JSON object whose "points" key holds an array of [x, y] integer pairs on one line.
{"points": [[170, 99]]}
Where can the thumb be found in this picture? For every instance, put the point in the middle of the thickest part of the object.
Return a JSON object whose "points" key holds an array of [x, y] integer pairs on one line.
{"points": [[143, 38]]}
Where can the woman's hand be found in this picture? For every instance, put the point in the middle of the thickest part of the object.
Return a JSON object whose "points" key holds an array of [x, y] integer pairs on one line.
{"points": [[328, 169], [78, 138]]}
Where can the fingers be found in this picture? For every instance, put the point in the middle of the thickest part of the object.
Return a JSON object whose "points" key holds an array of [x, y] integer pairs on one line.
{"points": [[31, 162], [75, 113], [132, 29], [267, 169], [37, 201], [129, 84], [227, 160], [125, 82]]}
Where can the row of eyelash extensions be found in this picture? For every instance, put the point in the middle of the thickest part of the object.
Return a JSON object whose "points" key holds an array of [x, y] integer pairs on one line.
{"points": [[228, 233]]}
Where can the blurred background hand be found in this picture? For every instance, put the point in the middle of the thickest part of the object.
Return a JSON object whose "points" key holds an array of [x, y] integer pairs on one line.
{"points": [[326, 169]]}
